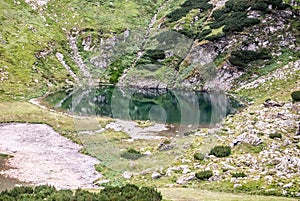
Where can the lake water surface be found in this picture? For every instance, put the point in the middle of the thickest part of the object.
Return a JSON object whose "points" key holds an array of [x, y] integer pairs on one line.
{"points": [[158, 105]]}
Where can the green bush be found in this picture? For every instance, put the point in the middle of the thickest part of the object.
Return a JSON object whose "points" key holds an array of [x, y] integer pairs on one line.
{"points": [[241, 58], [260, 5], [199, 156], [275, 135], [234, 16], [204, 175], [131, 154], [220, 151], [186, 7], [151, 57], [127, 192], [155, 54], [187, 33], [204, 33], [238, 174], [296, 96]]}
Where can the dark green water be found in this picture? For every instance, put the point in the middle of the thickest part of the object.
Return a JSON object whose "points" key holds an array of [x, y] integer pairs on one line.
{"points": [[162, 106]]}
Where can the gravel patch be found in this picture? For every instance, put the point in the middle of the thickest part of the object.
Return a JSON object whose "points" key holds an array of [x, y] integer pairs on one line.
{"points": [[42, 156], [135, 132]]}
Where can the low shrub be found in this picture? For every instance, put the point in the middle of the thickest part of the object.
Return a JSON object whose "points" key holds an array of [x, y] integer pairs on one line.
{"points": [[187, 33], [131, 154], [241, 58], [204, 33], [199, 156], [275, 135], [204, 175], [127, 192], [296, 96], [220, 151], [186, 7], [238, 174], [260, 5]]}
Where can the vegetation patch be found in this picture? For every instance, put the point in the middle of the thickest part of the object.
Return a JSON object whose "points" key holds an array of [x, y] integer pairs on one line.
{"points": [[127, 192], [296, 96], [186, 7], [204, 175], [131, 154], [220, 151], [241, 58], [199, 156], [275, 135], [238, 174]]}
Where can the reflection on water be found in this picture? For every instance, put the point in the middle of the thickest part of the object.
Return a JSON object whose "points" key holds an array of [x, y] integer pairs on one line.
{"points": [[163, 106]]}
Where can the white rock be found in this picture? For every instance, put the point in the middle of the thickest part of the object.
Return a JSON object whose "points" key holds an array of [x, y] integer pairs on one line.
{"points": [[289, 185], [237, 185], [155, 175], [186, 178], [127, 175]]}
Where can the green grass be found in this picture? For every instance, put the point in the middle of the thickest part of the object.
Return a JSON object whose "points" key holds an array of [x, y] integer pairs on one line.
{"points": [[190, 194], [24, 34]]}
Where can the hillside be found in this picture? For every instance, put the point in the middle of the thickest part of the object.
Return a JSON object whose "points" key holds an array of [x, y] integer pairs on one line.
{"points": [[249, 49], [204, 45]]}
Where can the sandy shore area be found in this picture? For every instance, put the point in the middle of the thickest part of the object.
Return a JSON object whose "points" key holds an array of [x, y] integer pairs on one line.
{"points": [[42, 156]]}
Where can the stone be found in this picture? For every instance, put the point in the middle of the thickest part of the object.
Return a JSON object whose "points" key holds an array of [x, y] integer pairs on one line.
{"points": [[296, 139], [247, 138], [186, 170], [270, 103], [298, 130], [127, 175], [237, 185], [155, 175], [184, 179], [100, 182], [147, 153], [289, 185]]}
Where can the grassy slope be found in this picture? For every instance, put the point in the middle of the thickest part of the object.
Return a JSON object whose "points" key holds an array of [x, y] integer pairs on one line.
{"points": [[25, 32], [189, 194]]}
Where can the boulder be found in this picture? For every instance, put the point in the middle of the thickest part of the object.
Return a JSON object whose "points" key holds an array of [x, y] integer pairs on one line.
{"points": [[127, 175], [184, 179], [155, 175], [270, 103]]}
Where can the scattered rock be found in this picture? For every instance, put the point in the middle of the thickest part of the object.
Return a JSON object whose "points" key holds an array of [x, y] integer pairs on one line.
{"points": [[184, 179], [237, 185], [155, 175], [298, 129], [127, 175], [289, 185], [270, 103], [247, 138], [100, 182]]}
